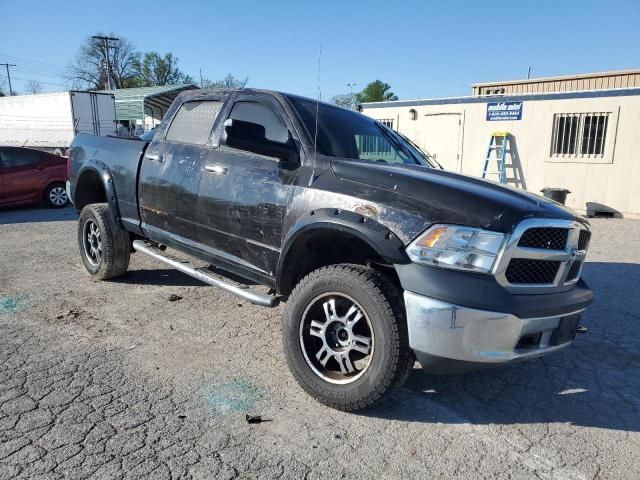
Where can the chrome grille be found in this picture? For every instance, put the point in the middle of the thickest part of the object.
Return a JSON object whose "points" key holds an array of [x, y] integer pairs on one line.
{"points": [[523, 270], [543, 256], [549, 238]]}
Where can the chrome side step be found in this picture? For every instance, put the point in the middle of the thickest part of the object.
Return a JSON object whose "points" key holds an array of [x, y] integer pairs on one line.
{"points": [[256, 298]]}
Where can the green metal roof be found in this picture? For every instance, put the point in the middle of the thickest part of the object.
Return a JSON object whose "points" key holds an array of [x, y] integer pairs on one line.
{"points": [[130, 102]]}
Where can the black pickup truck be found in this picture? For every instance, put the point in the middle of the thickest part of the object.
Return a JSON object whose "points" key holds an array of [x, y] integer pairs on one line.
{"points": [[378, 253]]}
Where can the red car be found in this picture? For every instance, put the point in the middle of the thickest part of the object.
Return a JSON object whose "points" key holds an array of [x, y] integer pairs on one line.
{"points": [[30, 176]]}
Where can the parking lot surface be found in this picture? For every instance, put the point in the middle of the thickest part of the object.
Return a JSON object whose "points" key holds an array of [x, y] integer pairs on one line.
{"points": [[113, 380]]}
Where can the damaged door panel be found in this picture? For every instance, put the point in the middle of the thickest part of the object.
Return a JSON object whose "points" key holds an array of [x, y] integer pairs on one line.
{"points": [[167, 207]]}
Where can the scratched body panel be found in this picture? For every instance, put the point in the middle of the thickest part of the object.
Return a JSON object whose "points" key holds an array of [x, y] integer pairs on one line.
{"points": [[169, 189]]}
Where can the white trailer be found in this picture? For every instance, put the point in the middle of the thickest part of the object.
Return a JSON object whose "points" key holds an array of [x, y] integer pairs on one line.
{"points": [[50, 121]]}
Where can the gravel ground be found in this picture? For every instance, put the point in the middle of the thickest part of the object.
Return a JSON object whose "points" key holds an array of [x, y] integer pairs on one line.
{"points": [[112, 380]]}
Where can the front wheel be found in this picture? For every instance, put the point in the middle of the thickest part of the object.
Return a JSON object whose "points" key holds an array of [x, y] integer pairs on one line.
{"points": [[105, 247], [345, 336]]}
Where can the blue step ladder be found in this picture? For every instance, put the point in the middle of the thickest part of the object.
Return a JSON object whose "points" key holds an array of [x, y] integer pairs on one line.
{"points": [[500, 144]]}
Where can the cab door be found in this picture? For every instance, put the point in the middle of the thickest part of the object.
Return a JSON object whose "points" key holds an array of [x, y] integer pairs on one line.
{"points": [[244, 196], [171, 171]]}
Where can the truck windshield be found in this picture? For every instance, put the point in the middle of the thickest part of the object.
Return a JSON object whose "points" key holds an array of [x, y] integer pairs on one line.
{"points": [[347, 134]]}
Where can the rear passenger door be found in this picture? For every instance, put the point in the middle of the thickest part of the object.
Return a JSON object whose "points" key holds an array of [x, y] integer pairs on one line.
{"points": [[171, 171]]}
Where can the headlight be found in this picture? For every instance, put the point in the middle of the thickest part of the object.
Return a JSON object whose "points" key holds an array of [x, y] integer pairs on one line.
{"points": [[457, 247]]}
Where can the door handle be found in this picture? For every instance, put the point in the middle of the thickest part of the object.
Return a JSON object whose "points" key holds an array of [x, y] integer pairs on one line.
{"points": [[217, 169], [154, 156]]}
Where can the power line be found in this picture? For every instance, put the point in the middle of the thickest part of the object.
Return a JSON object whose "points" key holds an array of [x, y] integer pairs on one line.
{"points": [[23, 60], [41, 81], [27, 69]]}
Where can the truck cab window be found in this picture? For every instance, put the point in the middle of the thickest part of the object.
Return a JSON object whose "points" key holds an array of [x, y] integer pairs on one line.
{"points": [[193, 122], [255, 112]]}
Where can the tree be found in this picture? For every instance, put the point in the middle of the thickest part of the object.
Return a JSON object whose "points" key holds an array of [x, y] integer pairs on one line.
{"points": [[376, 92], [34, 87], [346, 100], [227, 82], [89, 69], [153, 69]]}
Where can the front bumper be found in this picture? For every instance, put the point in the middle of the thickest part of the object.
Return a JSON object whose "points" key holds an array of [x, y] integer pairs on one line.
{"points": [[449, 338]]}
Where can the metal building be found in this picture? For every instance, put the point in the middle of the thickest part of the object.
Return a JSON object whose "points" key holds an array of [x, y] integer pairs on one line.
{"points": [[585, 141], [565, 83], [141, 109]]}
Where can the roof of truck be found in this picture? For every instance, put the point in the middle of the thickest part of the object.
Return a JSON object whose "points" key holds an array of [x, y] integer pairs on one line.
{"points": [[207, 91]]}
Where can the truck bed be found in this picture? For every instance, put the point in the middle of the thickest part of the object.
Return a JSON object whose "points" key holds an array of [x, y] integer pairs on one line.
{"points": [[122, 156]]}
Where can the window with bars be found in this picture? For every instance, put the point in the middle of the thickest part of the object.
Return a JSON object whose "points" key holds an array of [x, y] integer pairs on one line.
{"points": [[579, 134], [370, 146], [387, 122]]}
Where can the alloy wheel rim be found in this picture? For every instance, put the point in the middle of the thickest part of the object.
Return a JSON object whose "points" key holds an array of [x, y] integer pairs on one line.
{"points": [[336, 338], [92, 242], [58, 196]]}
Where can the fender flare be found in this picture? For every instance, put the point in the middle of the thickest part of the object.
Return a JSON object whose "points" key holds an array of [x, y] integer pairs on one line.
{"points": [[380, 238], [102, 170]]}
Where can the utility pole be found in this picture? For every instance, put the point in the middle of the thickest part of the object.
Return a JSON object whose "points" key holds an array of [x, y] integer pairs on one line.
{"points": [[7, 65], [351, 85], [200, 78], [106, 41]]}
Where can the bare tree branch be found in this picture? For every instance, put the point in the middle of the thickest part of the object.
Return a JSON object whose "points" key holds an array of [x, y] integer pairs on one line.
{"points": [[34, 87], [227, 82], [89, 69]]}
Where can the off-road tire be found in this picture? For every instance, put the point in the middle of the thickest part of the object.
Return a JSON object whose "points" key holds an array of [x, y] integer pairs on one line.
{"points": [[116, 243], [392, 359]]}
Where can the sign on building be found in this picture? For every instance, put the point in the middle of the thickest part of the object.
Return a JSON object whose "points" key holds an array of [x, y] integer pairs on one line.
{"points": [[504, 111]]}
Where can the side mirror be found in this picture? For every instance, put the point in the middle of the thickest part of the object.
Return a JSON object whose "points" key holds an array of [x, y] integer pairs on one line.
{"points": [[251, 137]]}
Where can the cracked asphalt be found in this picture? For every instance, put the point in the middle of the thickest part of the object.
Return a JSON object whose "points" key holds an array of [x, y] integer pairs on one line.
{"points": [[113, 380]]}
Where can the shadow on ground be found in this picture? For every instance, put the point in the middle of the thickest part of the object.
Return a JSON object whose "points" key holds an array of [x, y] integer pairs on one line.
{"points": [[160, 277], [595, 382], [34, 214]]}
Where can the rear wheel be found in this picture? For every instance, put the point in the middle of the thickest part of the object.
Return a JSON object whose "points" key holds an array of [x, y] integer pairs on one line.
{"points": [[55, 195], [105, 247], [345, 336]]}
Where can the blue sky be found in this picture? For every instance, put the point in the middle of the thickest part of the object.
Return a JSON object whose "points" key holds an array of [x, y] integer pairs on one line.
{"points": [[423, 49]]}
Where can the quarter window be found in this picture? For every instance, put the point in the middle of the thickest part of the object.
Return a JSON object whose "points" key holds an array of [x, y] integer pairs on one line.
{"points": [[579, 134], [193, 122], [257, 113]]}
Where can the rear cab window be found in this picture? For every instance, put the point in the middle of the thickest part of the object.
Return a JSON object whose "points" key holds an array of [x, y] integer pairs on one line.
{"points": [[193, 122]]}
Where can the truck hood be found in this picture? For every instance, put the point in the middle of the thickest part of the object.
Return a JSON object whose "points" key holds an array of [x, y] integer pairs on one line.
{"points": [[446, 197]]}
